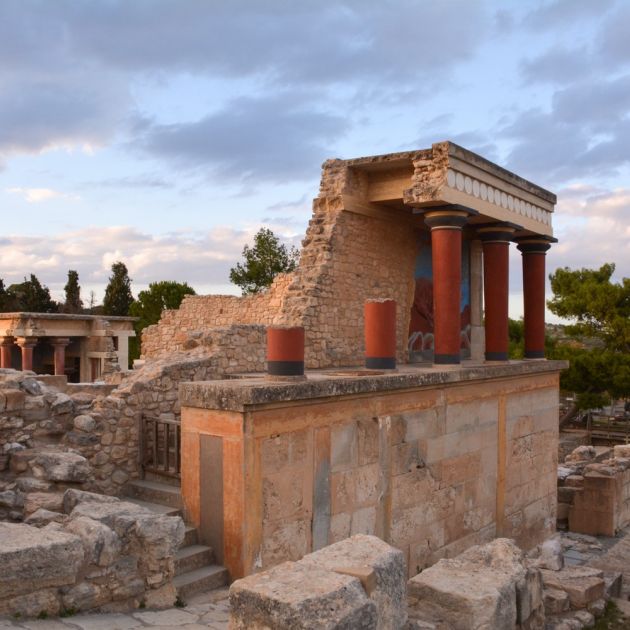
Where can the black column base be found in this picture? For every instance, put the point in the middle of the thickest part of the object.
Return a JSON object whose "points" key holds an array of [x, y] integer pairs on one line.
{"points": [[285, 368], [447, 359], [496, 356], [380, 363], [534, 354]]}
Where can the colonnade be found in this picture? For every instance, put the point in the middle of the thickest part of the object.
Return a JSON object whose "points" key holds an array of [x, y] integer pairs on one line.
{"points": [[27, 345], [446, 227]]}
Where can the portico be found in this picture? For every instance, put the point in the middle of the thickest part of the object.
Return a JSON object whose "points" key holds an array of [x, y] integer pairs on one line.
{"points": [[82, 347]]}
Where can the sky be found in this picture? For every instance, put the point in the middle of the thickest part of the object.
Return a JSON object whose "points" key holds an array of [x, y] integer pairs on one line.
{"points": [[165, 133]]}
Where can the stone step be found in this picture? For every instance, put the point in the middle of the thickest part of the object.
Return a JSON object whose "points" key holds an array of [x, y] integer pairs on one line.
{"points": [[166, 480], [154, 492], [158, 508], [190, 537], [193, 557], [204, 579]]}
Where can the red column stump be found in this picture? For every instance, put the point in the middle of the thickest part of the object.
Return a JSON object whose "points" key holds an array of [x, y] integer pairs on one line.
{"points": [[6, 344], [285, 350], [380, 334], [59, 344]]}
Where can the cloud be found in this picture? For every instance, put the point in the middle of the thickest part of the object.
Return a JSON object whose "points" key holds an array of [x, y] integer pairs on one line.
{"points": [[558, 65], [37, 195], [279, 138], [563, 13], [201, 259]]}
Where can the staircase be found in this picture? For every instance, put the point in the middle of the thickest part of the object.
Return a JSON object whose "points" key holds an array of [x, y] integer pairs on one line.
{"points": [[195, 570]]}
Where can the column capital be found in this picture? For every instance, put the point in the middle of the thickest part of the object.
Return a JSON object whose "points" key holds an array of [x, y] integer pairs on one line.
{"points": [[497, 232], [26, 342], [7, 341], [535, 244], [60, 341], [448, 217]]}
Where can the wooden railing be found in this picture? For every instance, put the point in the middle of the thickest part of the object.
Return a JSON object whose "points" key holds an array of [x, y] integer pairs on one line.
{"points": [[160, 446]]}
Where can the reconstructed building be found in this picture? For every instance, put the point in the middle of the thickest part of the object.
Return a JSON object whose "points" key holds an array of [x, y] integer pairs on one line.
{"points": [[457, 446], [83, 347]]}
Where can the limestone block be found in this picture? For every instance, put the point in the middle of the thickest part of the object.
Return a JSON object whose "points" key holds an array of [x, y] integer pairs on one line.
{"points": [[85, 423], [485, 587], [119, 516], [39, 558], [556, 601], [551, 555], [56, 466], [72, 497], [84, 596], [31, 604], [32, 386], [61, 403], [583, 585], [13, 400], [159, 536], [52, 501], [621, 450], [102, 546], [42, 517], [382, 561], [300, 595]]}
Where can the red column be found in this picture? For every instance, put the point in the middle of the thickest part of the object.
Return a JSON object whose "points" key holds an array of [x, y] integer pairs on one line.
{"points": [[380, 334], [285, 350], [59, 344], [496, 271], [446, 244], [6, 343], [534, 250], [27, 344]]}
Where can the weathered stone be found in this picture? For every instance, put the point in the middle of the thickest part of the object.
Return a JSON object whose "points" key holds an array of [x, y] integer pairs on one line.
{"points": [[30, 484], [42, 517], [73, 497], [581, 453], [84, 596], [299, 595], [8, 499], [40, 558], [31, 386], [585, 618], [598, 607], [119, 516], [13, 400], [62, 403], [482, 588], [551, 555], [102, 546], [371, 560], [56, 466], [159, 536], [34, 501], [31, 604], [85, 423], [556, 601], [582, 584]]}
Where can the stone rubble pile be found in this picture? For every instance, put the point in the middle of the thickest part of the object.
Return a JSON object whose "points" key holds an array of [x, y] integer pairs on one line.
{"points": [[93, 552]]}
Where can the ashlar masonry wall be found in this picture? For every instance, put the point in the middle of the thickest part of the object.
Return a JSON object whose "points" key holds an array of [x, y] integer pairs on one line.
{"points": [[431, 462]]}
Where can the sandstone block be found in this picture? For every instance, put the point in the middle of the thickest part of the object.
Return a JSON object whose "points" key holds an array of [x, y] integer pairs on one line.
{"points": [[39, 558], [379, 566], [300, 595], [485, 587]]}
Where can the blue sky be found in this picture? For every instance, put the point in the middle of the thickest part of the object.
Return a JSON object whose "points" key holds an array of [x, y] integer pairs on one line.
{"points": [[164, 133]]}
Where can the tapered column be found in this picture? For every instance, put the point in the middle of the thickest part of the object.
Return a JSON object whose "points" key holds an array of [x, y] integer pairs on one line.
{"points": [[534, 250], [26, 345], [60, 344], [380, 334], [446, 245], [6, 345], [496, 273]]}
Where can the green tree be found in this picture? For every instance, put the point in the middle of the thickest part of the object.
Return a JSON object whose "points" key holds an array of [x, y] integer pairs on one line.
{"points": [[599, 356], [7, 301], [263, 262], [73, 302], [148, 307], [32, 297], [118, 297]]}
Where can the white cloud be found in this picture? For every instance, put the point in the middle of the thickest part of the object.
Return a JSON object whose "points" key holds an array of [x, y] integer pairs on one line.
{"points": [[37, 195]]}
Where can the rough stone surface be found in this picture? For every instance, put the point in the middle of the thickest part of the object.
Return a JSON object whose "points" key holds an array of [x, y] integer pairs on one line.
{"points": [[367, 556], [485, 587], [300, 595], [583, 585]]}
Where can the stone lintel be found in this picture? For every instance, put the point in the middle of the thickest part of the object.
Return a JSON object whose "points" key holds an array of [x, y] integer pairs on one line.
{"points": [[242, 394]]}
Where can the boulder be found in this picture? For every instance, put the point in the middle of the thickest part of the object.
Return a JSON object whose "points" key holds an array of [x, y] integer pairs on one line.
{"points": [[581, 454], [300, 595], [42, 517], [487, 586], [39, 558], [34, 501], [31, 386], [85, 423], [379, 566], [61, 403]]}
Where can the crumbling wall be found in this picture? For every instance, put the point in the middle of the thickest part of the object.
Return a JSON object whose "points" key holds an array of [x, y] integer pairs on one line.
{"points": [[346, 258]]}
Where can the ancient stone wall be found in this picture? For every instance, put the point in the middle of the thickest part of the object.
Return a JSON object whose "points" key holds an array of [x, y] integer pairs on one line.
{"points": [[96, 552], [594, 491], [346, 258]]}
